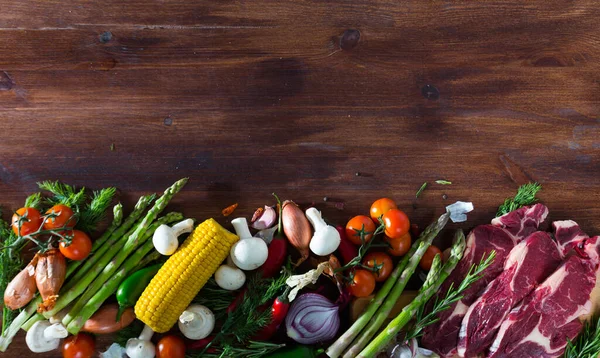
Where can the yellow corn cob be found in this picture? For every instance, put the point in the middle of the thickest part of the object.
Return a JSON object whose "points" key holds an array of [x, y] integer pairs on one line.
{"points": [[183, 275]]}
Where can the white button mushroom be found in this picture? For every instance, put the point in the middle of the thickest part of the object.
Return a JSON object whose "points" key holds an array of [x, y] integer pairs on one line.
{"points": [[165, 237], [250, 252], [230, 278], [42, 337], [326, 238], [196, 322], [141, 347]]}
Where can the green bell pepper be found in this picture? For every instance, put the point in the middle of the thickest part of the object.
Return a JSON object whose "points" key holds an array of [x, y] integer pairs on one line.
{"points": [[131, 288]]}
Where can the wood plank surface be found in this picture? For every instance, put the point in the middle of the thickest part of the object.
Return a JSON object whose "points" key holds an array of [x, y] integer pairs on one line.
{"points": [[310, 99]]}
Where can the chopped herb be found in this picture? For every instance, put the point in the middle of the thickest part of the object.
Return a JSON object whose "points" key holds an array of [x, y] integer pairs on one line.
{"points": [[525, 196], [112, 147], [421, 190], [443, 182]]}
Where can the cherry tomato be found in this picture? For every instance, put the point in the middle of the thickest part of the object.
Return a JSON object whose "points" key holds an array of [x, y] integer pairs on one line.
{"points": [[396, 223], [379, 259], [363, 283], [380, 207], [170, 347], [79, 346], [357, 223], [427, 258], [80, 245], [30, 221], [399, 246], [60, 216]]}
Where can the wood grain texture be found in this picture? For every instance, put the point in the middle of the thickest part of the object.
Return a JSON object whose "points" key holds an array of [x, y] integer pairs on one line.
{"points": [[253, 97]]}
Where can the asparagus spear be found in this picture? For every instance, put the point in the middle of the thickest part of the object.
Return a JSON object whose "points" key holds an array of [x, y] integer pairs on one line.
{"points": [[110, 286], [397, 276], [108, 269], [434, 281], [94, 264], [117, 220]]}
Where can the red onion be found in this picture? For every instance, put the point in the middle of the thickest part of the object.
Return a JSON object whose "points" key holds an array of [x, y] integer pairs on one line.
{"points": [[312, 318]]}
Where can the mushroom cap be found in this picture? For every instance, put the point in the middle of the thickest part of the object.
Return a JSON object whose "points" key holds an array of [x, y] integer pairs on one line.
{"points": [[139, 348], [249, 254], [325, 242], [196, 322], [230, 278], [37, 341]]}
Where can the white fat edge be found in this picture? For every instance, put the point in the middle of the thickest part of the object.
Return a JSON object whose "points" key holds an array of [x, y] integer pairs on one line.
{"points": [[594, 299], [459, 309], [516, 257]]}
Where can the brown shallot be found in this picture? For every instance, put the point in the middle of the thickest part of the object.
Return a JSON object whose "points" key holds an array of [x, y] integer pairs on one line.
{"points": [[22, 288], [49, 277], [296, 228]]}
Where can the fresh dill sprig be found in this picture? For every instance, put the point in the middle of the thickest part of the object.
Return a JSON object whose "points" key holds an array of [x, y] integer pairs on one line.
{"points": [[587, 344], [95, 211], [214, 297], [453, 295], [10, 265], [34, 201], [63, 193], [251, 350], [525, 196], [421, 190]]}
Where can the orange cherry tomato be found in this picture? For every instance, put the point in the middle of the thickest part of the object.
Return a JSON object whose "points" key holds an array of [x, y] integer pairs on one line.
{"points": [[170, 347], [359, 222], [380, 207], [60, 216], [379, 259], [396, 223], [427, 258], [80, 246], [30, 221], [79, 346], [399, 246], [363, 283]]}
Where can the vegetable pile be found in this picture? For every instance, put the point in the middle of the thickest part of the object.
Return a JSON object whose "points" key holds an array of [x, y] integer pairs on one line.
{"points": [[278, 284]]}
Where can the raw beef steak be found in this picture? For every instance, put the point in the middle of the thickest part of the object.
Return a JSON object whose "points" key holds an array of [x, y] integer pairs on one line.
{"points": [[528, 264], [542, 323], [504, 233]]}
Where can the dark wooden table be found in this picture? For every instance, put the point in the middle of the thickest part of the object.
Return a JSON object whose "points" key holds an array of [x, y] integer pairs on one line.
{"points": [[309, 99]]}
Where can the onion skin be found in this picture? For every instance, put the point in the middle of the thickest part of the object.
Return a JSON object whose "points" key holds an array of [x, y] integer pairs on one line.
{"points": [[296, 228], [22, 288], [104, 321], [312, 318], [49, 277]]}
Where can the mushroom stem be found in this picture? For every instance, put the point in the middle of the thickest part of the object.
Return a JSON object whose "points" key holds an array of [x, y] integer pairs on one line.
{"points": [[314, 216], [146, 334], [240, 225], [183, 227]]}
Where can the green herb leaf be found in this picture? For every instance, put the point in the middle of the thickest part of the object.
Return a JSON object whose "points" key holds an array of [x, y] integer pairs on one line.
{"points": [[63, 194], [453, 295], [34, 201], [443, 182], [525, 196], [10, 265], [95, 211], [421, 190], [587, 344]]}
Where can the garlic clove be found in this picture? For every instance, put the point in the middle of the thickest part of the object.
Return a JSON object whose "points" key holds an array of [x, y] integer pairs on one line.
{"points": [[264, 218]]}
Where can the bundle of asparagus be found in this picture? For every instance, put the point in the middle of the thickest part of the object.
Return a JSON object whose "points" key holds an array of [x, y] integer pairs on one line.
{"points": [[122, 249]]}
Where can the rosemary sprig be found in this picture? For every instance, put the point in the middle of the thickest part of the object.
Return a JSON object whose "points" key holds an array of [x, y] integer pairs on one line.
{"points": [[421, 190], [587, 344], [453, 295], [95, 211], [525, 196], [63, 193]]}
